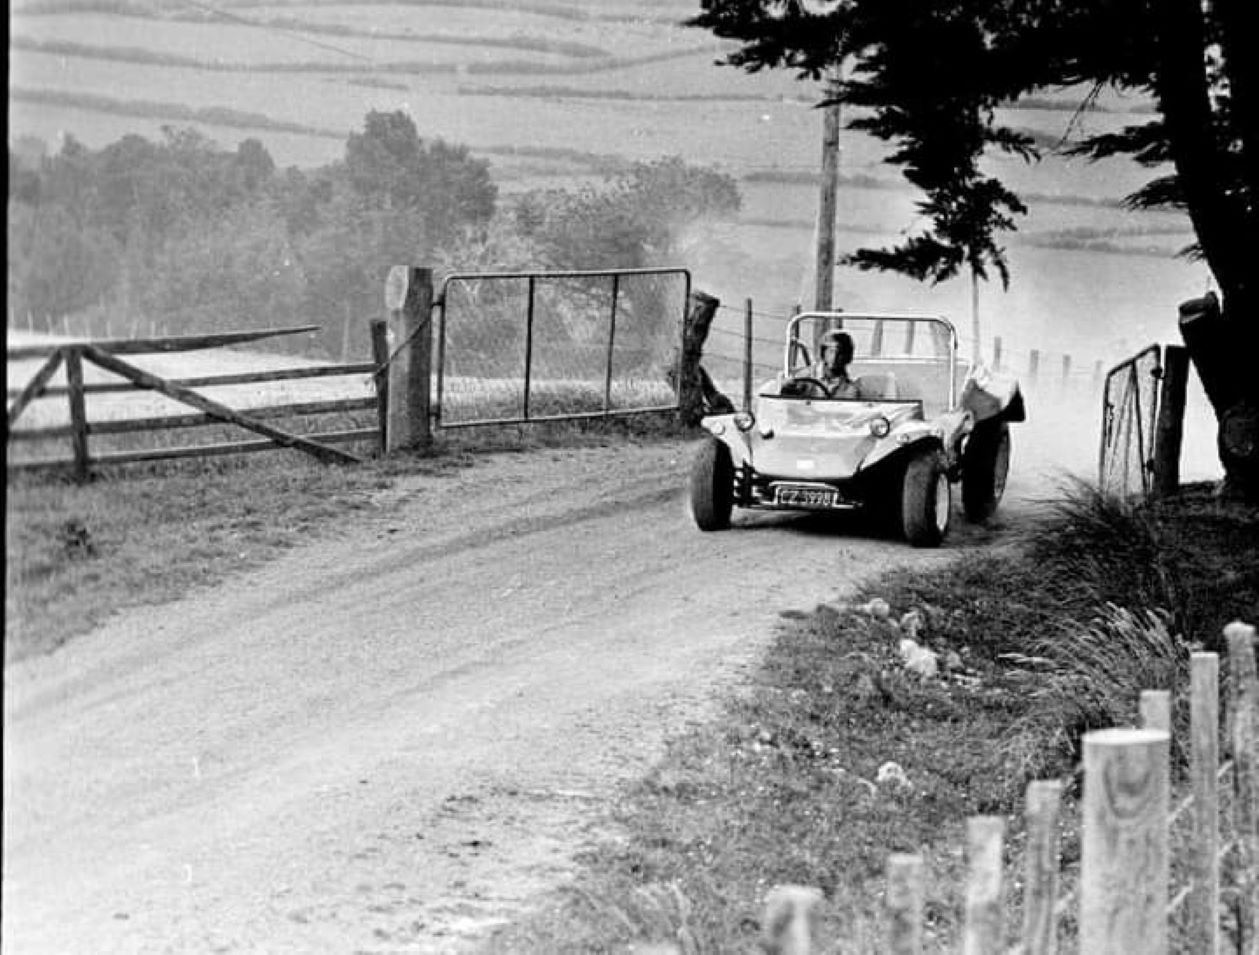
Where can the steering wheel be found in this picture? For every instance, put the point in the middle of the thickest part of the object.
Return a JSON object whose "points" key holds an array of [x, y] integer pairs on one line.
{"points": [[805, 384]]}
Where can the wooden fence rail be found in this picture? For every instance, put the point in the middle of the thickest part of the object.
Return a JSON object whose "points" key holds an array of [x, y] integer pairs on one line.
{"points": [[104, 354], [1123, 892]]}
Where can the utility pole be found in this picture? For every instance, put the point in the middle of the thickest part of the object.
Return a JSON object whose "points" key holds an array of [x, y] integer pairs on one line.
{"points": [[825, 266]]}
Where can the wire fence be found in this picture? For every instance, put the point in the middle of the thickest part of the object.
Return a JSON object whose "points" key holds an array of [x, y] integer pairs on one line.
{"points": [[541, 346]]}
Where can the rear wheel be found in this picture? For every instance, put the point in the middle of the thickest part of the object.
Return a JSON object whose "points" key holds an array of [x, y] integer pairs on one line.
{"points": [[926, 499], [712, 487], [985, 465]]}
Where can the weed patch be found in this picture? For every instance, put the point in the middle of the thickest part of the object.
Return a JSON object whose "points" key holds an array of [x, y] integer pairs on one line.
{"points": [[838, 754]]}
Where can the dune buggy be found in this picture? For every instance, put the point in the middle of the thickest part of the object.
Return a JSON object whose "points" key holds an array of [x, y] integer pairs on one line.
{"points": [[923, 420]]}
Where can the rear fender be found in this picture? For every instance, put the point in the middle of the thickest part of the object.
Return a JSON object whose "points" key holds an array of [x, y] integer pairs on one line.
{"points": [[723, 428]]}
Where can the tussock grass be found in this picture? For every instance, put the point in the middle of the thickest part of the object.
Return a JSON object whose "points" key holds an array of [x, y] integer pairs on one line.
{"points": [[1052, 635]]}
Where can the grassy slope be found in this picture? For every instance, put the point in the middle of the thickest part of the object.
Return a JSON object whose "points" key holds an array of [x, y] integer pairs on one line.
{"points": [[782, 789]]}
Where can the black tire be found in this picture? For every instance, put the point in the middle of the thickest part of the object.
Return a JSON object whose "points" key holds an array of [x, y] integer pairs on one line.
{"points": [[985, 465], [926, 499], [712, 487]]}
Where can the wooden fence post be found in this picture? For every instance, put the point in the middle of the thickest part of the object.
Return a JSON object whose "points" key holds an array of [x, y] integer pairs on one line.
{"points": [[996, 352], [1244, 718], [380, 357], [904, 904], [409, 299], [78, 413], [1156, 710], [690, 376], [1033, 367], [1040, 891], [1169, 430], [1204, 676], [985, 929], [747, 356], [1066, 374], [1124, 867], [790, 915]]}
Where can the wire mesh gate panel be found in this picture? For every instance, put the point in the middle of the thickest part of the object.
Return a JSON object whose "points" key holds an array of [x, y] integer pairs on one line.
{"points": [[515, 347], [1129, 409]]}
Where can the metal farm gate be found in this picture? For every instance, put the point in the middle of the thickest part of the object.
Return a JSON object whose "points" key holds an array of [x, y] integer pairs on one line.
{"points": [[1129, 412], [516, 347]]}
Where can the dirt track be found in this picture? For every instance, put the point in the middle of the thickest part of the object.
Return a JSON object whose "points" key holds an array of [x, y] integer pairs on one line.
{"points": [[390, 740]]}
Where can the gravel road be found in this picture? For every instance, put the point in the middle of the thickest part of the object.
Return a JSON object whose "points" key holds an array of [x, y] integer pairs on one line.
{"points": [[393, 738]]}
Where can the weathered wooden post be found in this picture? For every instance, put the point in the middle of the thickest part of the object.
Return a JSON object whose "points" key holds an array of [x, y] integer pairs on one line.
{"points": [[1156, 710], [1244, 720], [690, 375], [1040, 891], [380, 357], [996, 352], [1033, 367], [1204, 758], [747, 356], [78, 413], [904, 904], [1169, 430], [409, 299], [790, 918], [985, 928], [1124, 866]]}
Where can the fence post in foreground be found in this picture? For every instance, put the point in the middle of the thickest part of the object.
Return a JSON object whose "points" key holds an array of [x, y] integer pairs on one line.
{"points": [[380, 357], [1204, 757], [1040, 891], [1244, 717], [690, 374], [409, 299], [1033, 367], [1169, 430], [904, 904], [1124, 866], [790, 915], [1156, 710], [985, 929], [78, 413]]}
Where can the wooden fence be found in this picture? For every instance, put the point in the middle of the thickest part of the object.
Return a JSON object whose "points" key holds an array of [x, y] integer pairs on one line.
{"points": [[72, 356], [1123, 898]]}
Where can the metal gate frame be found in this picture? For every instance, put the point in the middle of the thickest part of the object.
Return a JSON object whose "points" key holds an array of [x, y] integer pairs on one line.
{"points": [[532, 277], [1113, 415]]}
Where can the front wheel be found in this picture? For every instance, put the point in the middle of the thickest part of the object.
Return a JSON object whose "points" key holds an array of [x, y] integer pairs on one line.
{"points": [[985, 466], [712, 487], [926, 499]]}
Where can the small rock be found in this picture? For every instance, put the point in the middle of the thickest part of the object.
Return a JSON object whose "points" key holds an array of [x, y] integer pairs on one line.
{"points": [[953, 661], [893, 774], [877, 608], [918, 658]]}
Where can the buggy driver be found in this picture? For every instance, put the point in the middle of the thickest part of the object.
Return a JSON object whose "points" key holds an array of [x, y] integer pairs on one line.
{"points": [[831, 370]]}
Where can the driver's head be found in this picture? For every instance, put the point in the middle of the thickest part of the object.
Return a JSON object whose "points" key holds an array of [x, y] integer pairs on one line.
{"points": [[837, 350]]}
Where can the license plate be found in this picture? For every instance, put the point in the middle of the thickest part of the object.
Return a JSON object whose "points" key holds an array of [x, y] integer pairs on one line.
{"points": [[805, 497]]}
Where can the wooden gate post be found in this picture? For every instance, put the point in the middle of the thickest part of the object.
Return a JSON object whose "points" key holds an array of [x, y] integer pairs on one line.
{"points": [[1169, 430], [409, 299], [380, 378], [78, 413], [1125, 862], [1244, 743]]}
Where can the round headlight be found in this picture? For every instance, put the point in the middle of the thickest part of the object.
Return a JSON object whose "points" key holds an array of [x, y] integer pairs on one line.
{"points": [[744, 421], [880, 427]]}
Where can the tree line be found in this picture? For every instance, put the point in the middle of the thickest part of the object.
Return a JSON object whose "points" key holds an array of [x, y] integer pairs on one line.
{"points": [[200, 238]]}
